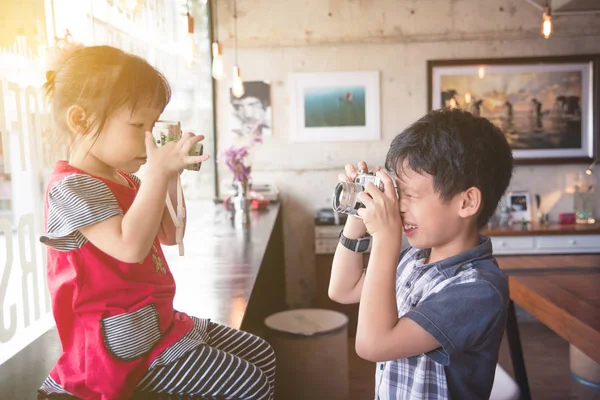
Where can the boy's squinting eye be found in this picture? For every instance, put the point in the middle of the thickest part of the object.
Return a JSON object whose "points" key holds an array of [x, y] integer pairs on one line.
{"points": [[139, 126]]}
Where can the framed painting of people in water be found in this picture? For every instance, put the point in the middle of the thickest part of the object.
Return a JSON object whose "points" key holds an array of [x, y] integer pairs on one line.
{"points": [[334, 106], [546, 107]]}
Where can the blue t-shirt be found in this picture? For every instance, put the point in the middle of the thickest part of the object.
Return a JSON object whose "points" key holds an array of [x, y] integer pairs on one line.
{"points": [[461, 301]]}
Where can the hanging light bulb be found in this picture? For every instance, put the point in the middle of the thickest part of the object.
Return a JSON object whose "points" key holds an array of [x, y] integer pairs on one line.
{"points": [[237, 85], [481, 72], [217, 64], [192, 52], [546, 22], [217, 49]]}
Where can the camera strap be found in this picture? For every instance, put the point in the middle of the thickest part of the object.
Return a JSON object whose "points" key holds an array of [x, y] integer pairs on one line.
{"points": [[179, 216]]}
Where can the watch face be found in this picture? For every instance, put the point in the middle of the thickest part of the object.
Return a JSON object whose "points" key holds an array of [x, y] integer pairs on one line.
{"points": [[363, 245]]}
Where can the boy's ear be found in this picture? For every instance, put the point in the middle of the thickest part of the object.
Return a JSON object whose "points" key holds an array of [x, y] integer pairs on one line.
{"points": [[471, 202], [77, 120]]}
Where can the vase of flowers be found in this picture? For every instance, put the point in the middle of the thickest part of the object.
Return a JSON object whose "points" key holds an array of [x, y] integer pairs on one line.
{"points": [[237, 160]]}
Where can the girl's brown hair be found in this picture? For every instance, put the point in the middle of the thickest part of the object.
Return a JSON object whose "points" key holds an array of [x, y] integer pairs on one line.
{"points": [[101, 79]]}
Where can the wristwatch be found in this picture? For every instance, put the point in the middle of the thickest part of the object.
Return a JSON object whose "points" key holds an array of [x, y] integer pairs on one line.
{"points": [[359, 245]]}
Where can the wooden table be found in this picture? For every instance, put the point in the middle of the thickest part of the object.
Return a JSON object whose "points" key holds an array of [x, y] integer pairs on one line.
{"points": [[563, 292], [543, 264], [231, 275], [549, 229]]}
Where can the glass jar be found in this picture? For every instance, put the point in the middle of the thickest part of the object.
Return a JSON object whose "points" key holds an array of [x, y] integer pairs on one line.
{"points": [[583, 198]]}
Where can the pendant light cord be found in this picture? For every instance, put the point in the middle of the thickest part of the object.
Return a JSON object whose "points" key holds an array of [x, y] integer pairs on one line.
{"points": [[216, 25], [235, 17]]}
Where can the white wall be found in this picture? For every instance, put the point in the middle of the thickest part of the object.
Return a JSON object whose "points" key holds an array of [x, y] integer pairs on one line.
{"points": [[396, 37]]}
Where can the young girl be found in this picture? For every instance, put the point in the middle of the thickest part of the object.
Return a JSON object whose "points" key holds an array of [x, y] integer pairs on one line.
{"points": [[111, 288]]}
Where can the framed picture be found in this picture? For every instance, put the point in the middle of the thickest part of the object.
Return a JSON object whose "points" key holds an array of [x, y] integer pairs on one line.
{"points": [[334, 106], [251, 113], [519, 203], [546, 107]]}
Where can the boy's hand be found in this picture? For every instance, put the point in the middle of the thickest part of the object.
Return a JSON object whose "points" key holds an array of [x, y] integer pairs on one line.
{"points": [[381, 214], [173, 157], [354, 227], [351, 173]]}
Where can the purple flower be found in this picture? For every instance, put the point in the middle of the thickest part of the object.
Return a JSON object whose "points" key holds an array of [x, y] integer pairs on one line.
{"points": [[256, 139], [234, 159]]}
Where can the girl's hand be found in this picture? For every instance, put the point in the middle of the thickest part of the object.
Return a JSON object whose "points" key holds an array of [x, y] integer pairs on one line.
{"points": [[173, 157]]}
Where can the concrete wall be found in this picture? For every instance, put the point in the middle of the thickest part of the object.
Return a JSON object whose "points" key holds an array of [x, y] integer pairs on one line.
{"points": [[396, 37]]}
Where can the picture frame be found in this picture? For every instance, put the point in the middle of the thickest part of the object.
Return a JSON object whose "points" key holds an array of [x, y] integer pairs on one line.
{"points": [[251, 113], [547, 107], [334, 106], [520, 205]]}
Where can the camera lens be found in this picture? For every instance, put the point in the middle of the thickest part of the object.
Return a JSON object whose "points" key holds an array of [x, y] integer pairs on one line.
{"points": [[337, 195], [344, 197]]}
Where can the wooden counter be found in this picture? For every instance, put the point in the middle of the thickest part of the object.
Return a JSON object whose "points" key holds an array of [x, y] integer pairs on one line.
{"points": [[545, 239], [232, 275], [543, 229]]}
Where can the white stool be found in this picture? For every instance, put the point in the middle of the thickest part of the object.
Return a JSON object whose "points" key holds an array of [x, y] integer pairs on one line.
{"points": [[311, 347], [583, 369], [504, 388]]}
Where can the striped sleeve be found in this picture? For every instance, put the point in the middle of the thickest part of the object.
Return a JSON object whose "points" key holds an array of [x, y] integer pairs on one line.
{"points": [[136, 179], [74, 202]]}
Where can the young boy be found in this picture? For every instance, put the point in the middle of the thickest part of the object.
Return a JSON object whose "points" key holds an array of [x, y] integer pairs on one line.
{"points": [[432, 315]]}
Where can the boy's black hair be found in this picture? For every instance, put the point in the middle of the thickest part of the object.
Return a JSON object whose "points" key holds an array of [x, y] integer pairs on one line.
{"points": [[459, 151]]}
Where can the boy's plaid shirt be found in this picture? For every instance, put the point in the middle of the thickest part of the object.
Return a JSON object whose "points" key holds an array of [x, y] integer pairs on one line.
{"points": [[424, 376]]}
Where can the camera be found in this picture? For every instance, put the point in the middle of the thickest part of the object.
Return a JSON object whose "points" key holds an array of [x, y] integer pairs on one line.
{"points": [[170, 131], [345, 194]]}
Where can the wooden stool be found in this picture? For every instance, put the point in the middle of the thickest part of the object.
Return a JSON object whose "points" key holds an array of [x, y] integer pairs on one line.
{"points": [[311, 346]]}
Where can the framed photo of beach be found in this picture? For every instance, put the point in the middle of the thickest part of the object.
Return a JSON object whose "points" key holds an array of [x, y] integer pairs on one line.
{"points": [[545, 106], [334, 106]]}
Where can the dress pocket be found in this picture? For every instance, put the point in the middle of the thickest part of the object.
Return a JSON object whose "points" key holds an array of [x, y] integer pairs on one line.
{"points": [[132, 335]]}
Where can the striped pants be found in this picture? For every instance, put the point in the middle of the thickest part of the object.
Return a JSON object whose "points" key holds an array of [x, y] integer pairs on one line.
{"points": [[233, 365]]}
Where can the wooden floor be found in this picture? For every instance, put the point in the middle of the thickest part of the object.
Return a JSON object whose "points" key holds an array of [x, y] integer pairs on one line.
{"points": [[546, 356], [546, 359]]}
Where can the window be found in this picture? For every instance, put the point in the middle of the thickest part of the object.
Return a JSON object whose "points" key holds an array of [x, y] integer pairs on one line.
{"points": [[156, 32]]}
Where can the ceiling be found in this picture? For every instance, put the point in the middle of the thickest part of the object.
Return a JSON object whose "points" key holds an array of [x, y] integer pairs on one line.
{"points": [[571, 5], [574, 5]]}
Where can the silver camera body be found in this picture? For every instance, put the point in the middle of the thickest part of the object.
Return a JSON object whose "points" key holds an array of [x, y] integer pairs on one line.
{"points": [[345, 193], [170, 131]]}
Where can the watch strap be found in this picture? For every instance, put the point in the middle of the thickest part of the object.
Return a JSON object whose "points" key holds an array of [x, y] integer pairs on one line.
{"points": [[359, 245]]}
